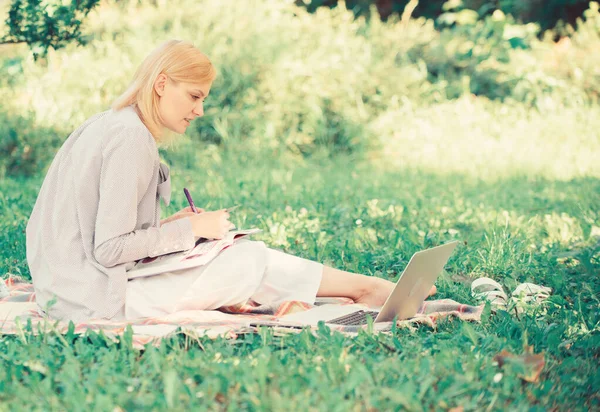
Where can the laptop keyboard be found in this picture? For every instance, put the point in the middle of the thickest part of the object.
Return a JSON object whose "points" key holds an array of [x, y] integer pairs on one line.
{"points": [[354, 318]]}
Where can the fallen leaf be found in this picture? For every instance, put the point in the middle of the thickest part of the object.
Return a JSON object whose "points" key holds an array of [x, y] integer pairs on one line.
{"points": [[532, 363], [219, 397]]}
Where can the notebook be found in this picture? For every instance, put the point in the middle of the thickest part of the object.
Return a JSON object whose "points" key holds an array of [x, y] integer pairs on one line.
{"points": [[204, 251]]}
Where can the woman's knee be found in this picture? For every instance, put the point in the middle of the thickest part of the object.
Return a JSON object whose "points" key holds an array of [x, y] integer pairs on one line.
{"points": [[253, 260]]}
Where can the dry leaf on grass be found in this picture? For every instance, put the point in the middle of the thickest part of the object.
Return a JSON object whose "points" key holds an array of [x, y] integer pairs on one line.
{"points": [[532, 363]]}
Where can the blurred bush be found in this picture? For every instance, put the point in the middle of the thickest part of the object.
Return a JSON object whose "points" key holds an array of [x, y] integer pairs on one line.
{"points": [[25, 147], [546, 13], [307, 84]]}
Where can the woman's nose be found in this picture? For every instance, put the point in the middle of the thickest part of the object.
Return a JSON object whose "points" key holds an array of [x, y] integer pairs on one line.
{"points": [[199, 110]]}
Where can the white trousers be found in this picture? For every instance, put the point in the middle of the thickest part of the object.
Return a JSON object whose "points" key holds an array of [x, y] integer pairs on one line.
{"points": [[246, 270]]}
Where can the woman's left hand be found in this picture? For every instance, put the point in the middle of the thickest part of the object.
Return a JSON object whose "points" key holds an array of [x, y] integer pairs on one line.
{"points": [[181, 214]]}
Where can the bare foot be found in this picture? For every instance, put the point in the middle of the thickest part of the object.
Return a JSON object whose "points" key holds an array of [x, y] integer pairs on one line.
{"points": [[379, 291]]}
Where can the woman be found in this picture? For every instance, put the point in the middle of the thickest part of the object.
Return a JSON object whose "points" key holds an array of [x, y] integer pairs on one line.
{"points": [[98, 211]]}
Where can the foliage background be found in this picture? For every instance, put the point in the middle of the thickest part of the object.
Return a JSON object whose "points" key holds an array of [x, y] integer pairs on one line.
{"points": [[548, 14], [327, 82]]}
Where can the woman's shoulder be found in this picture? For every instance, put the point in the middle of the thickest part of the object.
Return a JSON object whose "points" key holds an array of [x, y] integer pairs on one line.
{"points": [[126, 118], [125, 123]]}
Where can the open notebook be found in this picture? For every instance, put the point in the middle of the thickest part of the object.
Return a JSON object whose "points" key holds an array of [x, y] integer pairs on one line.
{"points": [[203, 252]]}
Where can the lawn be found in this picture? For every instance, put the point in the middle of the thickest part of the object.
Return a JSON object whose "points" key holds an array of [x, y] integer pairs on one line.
{"points": [[366, 217]]}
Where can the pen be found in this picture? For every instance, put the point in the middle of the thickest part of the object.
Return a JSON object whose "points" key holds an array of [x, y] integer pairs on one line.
{"points": [[190, 201]]}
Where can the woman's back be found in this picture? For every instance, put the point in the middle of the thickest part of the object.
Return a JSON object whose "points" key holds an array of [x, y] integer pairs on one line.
{"points": [[71, 205]]}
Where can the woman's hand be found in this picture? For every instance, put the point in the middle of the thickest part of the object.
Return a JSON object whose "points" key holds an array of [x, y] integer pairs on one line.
{"points": [[187, 212], [211, 225]]}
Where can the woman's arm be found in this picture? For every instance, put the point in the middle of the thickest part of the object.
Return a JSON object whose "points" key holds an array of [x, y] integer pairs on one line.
{"points": [[187, 212], [171, 237], [127, 167]]}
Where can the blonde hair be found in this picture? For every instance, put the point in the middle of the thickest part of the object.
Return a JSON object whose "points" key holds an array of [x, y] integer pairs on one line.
{"points": [[181, 62]]}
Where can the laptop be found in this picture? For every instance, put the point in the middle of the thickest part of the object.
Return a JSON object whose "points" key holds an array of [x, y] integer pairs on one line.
{"points": [[405, 300]]}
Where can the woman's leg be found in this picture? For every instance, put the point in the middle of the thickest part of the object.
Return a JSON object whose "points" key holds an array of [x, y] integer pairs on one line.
{"points": [[231, 278], [372, 291], [289, 277]]}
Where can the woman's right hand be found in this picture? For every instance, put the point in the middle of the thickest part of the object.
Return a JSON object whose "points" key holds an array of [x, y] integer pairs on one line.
{"points": [[211, 225]]}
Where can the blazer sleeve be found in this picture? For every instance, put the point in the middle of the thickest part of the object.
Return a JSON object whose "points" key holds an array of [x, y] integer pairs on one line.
{"points": [[126, 174]]}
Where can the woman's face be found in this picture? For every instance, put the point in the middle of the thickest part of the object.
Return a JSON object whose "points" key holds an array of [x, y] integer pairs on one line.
{"points": [[180, 103]]}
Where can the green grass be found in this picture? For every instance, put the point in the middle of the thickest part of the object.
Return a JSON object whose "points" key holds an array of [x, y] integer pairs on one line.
{"points": [[369, 218]]}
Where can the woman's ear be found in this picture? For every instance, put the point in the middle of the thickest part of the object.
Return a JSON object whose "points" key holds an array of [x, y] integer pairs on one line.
{"points": [[160, 83]]}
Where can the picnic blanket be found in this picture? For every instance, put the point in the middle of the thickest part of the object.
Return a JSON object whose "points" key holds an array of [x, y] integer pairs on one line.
{"points": [[18, 309]]}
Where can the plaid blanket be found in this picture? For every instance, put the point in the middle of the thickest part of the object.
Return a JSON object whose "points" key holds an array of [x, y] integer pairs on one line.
{"points": [[18, 308]]}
